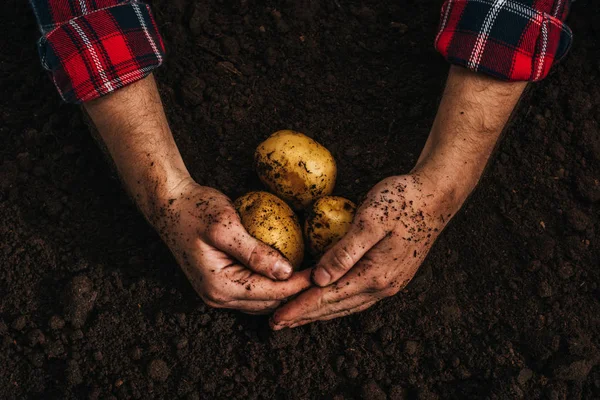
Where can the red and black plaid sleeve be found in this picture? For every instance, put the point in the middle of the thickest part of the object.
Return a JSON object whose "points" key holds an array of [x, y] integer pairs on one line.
{"points": [[93, 47], [514, 40]]}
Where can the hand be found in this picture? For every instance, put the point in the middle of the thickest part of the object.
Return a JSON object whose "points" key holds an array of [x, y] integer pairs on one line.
{"points": [[392, 232], [227, 267]]}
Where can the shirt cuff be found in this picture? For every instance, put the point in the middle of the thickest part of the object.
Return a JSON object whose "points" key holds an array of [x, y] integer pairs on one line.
{"points": [[97, 53], [504, 38]]}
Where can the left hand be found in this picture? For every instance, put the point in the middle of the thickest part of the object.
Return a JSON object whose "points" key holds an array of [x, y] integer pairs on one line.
{"points": [[392, 232]]}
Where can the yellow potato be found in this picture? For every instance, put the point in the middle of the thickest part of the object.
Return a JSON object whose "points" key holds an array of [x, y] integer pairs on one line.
{"points": [[272, 221], [295, 168], [327, 222]]}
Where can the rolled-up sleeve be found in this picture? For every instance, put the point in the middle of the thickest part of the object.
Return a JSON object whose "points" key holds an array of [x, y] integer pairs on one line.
{"points": [[94, 47], [513, 40]]}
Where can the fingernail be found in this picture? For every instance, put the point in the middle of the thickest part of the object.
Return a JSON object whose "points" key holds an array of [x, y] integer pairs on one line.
{"points": [[275, 326], [321, 277], [282, 270]]}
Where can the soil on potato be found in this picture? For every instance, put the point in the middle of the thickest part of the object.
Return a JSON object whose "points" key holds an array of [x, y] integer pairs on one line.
{"points": [[92, 304]]}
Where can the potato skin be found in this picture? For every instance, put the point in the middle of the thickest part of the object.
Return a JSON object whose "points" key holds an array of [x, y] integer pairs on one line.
{"points": [[270, 220], [295, 168], [328, 220]]}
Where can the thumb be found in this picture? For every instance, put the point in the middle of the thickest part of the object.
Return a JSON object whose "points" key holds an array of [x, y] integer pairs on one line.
{"points": [[261, 258], [348, 251]]}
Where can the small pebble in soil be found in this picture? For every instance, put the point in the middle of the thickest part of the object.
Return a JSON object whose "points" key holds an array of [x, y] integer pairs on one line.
{"points": [[193, 396], [575, 371], [565, 271], [545, 290], [158, 370], [73, 373], [136, 353], [577, 219], [589, 188], [397, 392], [55, 349], [280, 24], [181, 342], [352, 372], [556, 391], [427, 394], [80, 300], [386, 334], [524, 376], [35, 337], [411, 347], [399, 27], [159, 319], [365, 15], [76, 335], [37, 359], [451, 312], [204, 320], [372, 391], [56, 322], [542, 247], [19, 323], [270, 56], [181, 319]]}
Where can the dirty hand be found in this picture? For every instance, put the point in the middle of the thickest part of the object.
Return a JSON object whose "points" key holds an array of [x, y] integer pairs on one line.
{"points": [[402, 216], [392, 232], [227, 267]]}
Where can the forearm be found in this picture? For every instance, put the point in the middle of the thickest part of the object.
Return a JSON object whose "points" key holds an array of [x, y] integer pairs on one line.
{"points": [[470, 119], [134, 128]]}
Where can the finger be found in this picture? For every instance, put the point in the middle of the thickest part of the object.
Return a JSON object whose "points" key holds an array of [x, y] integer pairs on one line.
{"points": [[257, 287], [340, 314], [375, 276], [321, 301], [281, 318], [337, 261], [253, 307], [234, 240], [258, 307]]}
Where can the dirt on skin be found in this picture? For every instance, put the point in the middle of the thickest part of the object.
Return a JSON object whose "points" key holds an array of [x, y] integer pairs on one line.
{"points": [[506, 305]]}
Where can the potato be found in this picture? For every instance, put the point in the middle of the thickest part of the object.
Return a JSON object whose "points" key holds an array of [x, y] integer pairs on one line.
{"points": [[295, 168], [272, 221], [328, 220]]}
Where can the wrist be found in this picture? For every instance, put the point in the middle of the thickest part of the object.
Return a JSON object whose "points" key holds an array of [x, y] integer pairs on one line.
{"points": [[453, 184], [154, 186]]}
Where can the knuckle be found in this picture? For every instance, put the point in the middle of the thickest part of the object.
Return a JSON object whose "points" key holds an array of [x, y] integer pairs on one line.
{"points": [[215, 298], [213, 232], [221, 226], [210, 303], [380, 283], [216, 232], [341, 260], [256, 256]]}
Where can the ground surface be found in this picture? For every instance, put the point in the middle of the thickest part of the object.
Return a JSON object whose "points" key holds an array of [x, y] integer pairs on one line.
{"points": [[92, 305]]}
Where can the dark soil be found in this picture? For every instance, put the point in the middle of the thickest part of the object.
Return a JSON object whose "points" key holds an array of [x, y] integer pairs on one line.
{"points": [[92, 304]]}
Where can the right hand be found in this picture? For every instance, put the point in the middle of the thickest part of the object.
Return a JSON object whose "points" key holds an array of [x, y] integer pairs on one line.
{"points": [[227, 267]]}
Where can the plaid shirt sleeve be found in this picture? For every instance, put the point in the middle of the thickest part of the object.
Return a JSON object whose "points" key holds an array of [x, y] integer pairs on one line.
{"points": [[94, 47], [514, 40]]}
